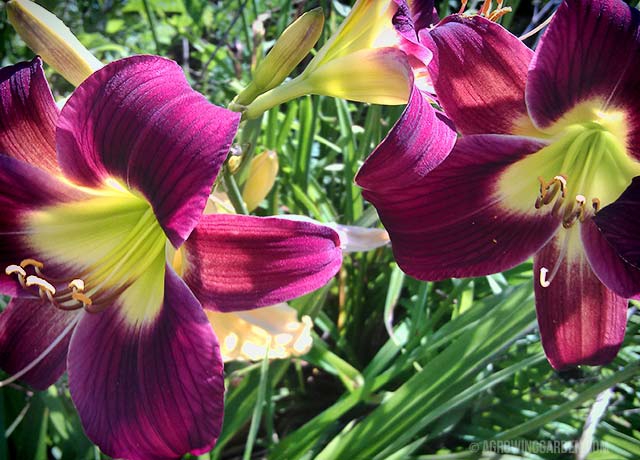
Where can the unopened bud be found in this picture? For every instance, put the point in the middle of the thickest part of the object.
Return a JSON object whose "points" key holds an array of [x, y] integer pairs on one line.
{"points": [[263, 171], [47, 36], [289, 50]]}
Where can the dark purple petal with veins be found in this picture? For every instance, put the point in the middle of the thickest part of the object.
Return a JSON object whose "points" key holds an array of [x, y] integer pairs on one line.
{"points": [[457, 222], [23, 188], [149, 391], [590, 51], [412, 16], [138, 120], [618, 275], [28, 115], [479, 71], [581, 321], [30, 328], [420, 140], [619, 223], [423, 13], [236, 262]]}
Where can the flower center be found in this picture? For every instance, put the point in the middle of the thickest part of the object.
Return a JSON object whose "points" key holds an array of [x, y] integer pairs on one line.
{"points": [[109, 245], [585, 169]]}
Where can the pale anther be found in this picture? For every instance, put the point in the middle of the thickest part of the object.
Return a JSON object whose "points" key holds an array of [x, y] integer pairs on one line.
{"points": [[544, 282], [12, 269], [560, 178], [563, 183], [42, 284], [595, 202], [77, 285]]}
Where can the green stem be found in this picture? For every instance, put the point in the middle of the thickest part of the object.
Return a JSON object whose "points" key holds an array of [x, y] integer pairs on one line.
{"points": [[257, 409], [278, 95], [152, 24], [234, 192]]}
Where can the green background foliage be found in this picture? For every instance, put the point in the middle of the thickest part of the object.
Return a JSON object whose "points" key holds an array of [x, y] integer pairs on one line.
{"points": [[463, 373]]}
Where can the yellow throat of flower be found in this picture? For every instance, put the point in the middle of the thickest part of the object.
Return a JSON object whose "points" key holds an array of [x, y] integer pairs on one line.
{"points": [[111, 246], [585, 167]]}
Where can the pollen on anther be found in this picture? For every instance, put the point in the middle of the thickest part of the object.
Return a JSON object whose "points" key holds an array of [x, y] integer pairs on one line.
{"points": [[33, 280], [563, 182], [595, 202], [12, 269], [77, 285]]}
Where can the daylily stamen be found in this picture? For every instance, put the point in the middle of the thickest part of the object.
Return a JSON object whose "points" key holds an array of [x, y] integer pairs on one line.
{"points": [[498, 13], [548, 191], [574, 213], [485, 10], [17, 269], [77, 285], [36, 264], [80, 297], [43, 285], [31, 263], [69, 299], [595, 202], [11, 269]]}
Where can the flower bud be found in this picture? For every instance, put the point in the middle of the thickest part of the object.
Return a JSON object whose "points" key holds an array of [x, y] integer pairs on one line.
{"points": [[262, 175], [289, 50], [363, 61], [47, 36]]}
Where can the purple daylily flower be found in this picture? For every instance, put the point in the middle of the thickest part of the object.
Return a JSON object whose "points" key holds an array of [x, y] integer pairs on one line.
{"points": [[422, 137], [550, 141], [95, 199]]}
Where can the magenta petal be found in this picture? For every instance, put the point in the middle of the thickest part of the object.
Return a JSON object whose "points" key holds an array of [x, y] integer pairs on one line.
{"points": [[153, 391], [27, 328], [236, 262], [418, 142], [581, 321], [23, 187], [28, 115], [455, 223], [619, 223], [479, 72], [138, 120], [591, 50], [408, 20], [618, 275], [423, 13]]}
